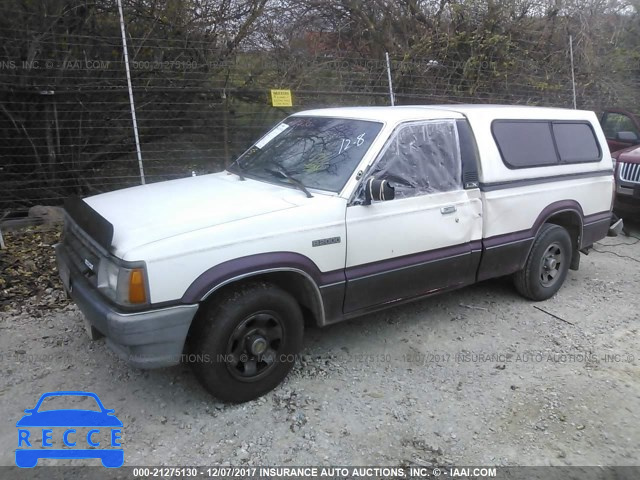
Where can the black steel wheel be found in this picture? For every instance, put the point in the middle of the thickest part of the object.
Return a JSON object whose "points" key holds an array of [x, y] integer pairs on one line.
{"points": [[547, 265], [551, 265], [245, 341], [254, 346]]}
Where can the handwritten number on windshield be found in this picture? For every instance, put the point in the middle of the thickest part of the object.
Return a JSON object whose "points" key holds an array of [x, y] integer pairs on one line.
{"points": [[346, 143]]}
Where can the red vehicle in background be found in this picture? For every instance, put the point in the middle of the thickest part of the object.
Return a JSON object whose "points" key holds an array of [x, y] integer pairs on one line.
{"points": [[622, 130]]}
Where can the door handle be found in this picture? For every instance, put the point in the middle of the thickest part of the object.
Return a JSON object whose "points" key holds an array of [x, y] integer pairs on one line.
{"points": [[448, 209]]}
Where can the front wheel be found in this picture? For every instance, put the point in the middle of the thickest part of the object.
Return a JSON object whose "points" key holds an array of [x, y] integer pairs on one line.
{"points": [[246, 340], [547, 264]]}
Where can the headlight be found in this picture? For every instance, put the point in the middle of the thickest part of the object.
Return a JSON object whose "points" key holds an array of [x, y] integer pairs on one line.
{"points": [[108, 277], [125, 286]]}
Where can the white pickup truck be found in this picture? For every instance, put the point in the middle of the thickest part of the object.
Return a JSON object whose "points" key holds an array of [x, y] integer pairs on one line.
{"points": [[333, 214]]}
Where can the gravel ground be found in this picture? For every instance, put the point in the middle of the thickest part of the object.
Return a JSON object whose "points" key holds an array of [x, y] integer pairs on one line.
{"points": [[478, 376]]}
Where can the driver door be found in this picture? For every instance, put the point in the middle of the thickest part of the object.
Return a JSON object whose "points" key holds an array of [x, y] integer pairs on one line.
{"points": [[425, 239]]}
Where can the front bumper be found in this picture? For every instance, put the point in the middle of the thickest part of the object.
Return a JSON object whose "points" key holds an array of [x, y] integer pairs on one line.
{"points": [[627, 198], [148, 339]]}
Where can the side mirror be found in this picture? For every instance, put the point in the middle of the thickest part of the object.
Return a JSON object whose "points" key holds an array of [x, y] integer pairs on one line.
{"points": [[378, 190], [627, 137]]}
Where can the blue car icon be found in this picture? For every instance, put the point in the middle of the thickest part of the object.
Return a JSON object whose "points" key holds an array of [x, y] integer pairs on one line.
{"points": [[36, 423]]}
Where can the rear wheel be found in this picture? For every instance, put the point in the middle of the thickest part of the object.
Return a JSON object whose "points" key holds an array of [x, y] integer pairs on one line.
{"points": [[246, 340], [547, 264]]}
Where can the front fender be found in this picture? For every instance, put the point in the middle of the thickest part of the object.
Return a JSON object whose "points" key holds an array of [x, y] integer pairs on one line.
{"points": [[323, 296]]}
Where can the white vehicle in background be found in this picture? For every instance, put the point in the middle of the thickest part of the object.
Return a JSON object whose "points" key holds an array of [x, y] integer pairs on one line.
{"points": [[333, 214]]}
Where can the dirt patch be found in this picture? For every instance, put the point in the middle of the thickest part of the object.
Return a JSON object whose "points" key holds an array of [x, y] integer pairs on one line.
{"points": [[29, 280]]}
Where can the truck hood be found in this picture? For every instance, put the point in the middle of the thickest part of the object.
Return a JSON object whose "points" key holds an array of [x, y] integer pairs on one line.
{"points": [[628, 155], [148, 213]]}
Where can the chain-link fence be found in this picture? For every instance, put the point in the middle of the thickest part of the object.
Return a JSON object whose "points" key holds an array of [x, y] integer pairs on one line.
{"points": [[66, 124]]}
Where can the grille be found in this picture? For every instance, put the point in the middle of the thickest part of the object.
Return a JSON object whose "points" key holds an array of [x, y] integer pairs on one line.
{"points": [[630, 172], [81, 252]]}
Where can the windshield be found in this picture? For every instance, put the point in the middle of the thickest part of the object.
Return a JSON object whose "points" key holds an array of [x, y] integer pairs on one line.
{"points": [[318, 152]]}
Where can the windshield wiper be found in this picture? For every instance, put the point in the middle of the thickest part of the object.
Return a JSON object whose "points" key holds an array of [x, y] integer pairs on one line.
{"points": [[279, 172], [239, 167]]}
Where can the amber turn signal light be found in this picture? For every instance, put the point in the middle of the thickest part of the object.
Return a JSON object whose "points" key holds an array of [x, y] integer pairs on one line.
{"points": [[136, 286]]}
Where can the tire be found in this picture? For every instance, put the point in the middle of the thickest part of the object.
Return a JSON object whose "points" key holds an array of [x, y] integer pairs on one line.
{"points": [[547, 265], [245, 341]]}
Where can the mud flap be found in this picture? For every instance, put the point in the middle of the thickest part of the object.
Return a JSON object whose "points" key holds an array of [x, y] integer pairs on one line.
{"points": [[575, 260], [615, 228]]}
